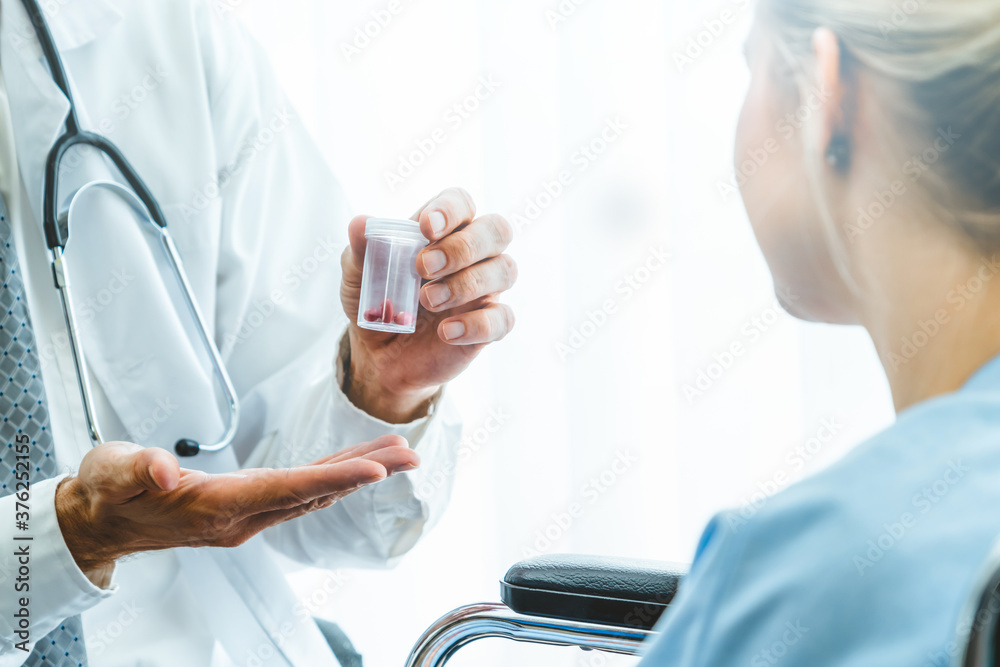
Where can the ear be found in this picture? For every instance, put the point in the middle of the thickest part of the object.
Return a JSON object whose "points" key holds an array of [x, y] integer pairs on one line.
{"points": [[835, 120]]}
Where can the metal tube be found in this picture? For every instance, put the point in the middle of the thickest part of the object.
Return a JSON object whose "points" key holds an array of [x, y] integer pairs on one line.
{"points": [[82, 377], [232, 402], [479, 621]]}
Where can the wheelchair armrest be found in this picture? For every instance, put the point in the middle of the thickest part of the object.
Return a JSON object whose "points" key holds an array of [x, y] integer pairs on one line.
{"points": [[623, 592]]}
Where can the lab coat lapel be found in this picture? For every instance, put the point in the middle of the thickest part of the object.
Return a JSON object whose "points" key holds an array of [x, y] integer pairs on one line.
{"points": [[74, 24], [38, 108]]}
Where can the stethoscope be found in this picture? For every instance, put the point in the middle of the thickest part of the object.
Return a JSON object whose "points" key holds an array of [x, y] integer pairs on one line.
{"points": [[142, 202]]}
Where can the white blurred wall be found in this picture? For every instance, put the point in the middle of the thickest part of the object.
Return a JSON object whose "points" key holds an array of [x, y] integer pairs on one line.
{"points": [[592, 248]]}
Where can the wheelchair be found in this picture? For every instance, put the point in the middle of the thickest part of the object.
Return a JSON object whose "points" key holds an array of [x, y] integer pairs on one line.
{"points": [[612, 605]]}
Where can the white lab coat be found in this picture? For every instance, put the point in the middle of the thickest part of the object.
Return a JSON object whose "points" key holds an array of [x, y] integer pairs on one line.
{"points": [[260, 223]]}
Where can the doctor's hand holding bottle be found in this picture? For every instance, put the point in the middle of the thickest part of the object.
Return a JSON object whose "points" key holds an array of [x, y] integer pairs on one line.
{"points": [[395, 376]]}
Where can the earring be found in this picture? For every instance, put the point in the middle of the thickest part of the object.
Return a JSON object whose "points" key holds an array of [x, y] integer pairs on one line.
{"points": [[838, 153]]}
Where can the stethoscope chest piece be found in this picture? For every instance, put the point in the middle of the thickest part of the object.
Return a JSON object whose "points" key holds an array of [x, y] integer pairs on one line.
{"points": [[186, 447]]}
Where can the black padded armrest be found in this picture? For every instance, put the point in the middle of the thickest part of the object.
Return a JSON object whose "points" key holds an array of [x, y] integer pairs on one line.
{"points": [[626, 592]]}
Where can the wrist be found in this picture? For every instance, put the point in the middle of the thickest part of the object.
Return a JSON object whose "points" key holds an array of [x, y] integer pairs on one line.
{"points": [[365, 388], [90, 548]]}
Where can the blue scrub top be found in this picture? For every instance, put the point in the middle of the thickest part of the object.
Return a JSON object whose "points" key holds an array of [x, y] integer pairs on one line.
{"points": [[868, 563]]}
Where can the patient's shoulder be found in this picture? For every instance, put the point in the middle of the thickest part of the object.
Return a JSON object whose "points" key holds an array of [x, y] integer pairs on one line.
{"points": [[898, 527], [867, 562]]}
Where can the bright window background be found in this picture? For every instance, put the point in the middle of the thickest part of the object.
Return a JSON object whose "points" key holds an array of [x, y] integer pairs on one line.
{"points": [[567, 416]]}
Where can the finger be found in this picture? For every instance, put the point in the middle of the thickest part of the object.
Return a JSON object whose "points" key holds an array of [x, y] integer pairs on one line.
{"points": [[483, 325], [446, 212], [353, 259], [161, 467], [363, 449], [491, 276], [395, 459], [138, 469], [485, 237], [291, 487], [259, 522]]}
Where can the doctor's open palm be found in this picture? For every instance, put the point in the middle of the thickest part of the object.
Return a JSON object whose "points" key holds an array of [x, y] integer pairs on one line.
{"points": [[394, 376], [126, 499]]}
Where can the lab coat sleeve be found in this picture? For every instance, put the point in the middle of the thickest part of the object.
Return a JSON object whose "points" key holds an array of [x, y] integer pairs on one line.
{"points": [[279, 316], [57, 587]]}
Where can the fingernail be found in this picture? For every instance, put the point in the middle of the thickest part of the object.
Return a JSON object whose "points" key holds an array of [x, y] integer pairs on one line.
{"points": [[438, 294], [453, 330], [434, 261], [437, 221]]}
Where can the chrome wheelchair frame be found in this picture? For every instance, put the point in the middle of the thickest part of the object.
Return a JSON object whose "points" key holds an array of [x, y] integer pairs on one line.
{"points": [[611, 605]]}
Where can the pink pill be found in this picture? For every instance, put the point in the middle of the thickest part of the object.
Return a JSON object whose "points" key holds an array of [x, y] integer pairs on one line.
{"points": [[404, 319], [373, 315], [387, 311]]}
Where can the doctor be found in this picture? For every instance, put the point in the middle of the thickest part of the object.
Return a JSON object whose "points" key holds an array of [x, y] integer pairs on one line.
{"points": [[256, 216]]}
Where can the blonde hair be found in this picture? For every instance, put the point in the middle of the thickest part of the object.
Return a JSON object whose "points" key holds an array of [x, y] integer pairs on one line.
{"points": [[937, 66]]}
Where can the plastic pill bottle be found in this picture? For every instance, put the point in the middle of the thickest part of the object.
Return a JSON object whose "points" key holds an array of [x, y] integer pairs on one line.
{"points": [[390, 284]]}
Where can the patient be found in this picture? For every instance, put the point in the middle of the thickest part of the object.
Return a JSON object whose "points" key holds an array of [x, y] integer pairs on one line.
{"points": [[877, 203]]}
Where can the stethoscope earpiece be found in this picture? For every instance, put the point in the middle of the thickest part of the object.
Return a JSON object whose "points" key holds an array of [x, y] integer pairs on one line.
{"points": [[186, 447]]}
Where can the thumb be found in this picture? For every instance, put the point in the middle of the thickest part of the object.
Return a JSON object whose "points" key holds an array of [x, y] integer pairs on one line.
{"points": [[351, 265], [355, 260], [153, 469]]}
